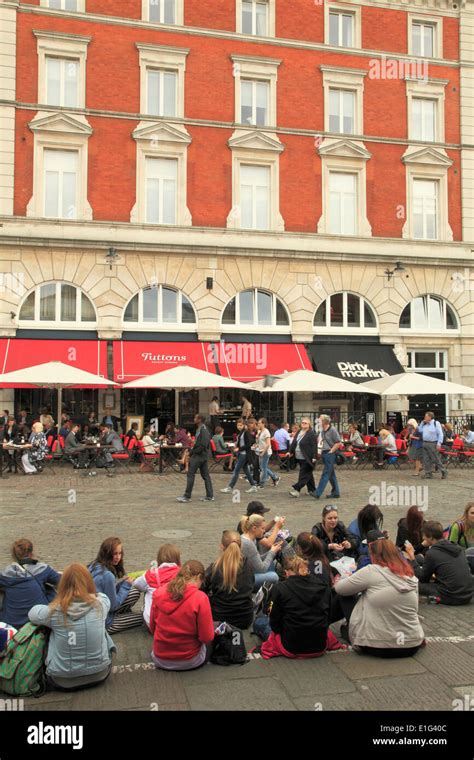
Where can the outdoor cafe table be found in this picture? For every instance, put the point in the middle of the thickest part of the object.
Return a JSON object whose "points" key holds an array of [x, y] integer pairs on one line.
{"points": [[96, 449], [17, 449], [173, 448]]}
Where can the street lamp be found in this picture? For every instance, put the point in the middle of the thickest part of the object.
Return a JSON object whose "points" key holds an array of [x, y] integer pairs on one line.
{"points": [[398, 268], [111, 257]]}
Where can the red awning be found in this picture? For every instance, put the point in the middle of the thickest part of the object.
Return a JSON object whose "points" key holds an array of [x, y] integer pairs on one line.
{"points": [[135, 359], [18, 353], [248, 362]]}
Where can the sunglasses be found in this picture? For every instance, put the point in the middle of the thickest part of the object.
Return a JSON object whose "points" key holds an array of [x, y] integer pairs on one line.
{"points": [[329, 508]]}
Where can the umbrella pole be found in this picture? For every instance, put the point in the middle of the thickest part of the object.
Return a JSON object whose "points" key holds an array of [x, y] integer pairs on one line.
{"points": [[285, 406], [176, 408], [60, 403]]}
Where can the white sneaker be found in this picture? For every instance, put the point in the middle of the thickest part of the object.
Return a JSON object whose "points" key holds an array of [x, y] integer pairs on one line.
{"points": [[294, 493], [226, 490], [252, 489]]}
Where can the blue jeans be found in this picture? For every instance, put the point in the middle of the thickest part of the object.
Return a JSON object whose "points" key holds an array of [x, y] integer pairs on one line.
{"points": [[328, 475], [265, 471], [269, 577], [262, 627], [241, 462]]}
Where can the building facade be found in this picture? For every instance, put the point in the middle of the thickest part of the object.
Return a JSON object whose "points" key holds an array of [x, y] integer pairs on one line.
{"points": [[237, 173]]}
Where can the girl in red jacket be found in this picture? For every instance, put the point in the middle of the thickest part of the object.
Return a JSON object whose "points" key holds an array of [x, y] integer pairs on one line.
{"points": [[181, 621]]}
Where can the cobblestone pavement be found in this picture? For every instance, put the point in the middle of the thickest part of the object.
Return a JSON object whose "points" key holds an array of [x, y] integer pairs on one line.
{"points": [[67, 516]]}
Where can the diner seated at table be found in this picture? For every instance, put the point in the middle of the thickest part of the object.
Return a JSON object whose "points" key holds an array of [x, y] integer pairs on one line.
{"points": [[150, 446], [389, 445], [10, 435], [133, 432], [75, 450], [170, 433], [110, 437], [222, 447], [36, 450], [183, 438]]}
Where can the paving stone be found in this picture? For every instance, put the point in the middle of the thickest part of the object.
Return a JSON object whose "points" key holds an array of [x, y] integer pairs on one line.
{"points": [[466, 646], [217, 674], [447, 661], [124, 690], [316, 677], [348, 701], [244, 694], [357, 666], [424, 691]]}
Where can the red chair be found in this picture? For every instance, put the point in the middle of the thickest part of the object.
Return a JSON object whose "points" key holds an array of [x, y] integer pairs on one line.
{"points": [[402, 450], [148, 461], [219, 459], [278, 455], [453, 456]]}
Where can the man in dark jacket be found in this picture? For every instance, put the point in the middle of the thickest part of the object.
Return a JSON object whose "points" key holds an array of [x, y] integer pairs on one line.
{"points": [[453, 583], [304, 450], [199, 456]]}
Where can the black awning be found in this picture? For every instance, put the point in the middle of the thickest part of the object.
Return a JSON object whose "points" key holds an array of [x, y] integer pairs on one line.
{"points": [[358, 363]]}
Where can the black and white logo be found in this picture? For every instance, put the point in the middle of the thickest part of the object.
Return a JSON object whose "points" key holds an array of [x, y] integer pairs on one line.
{"points": [[357, 369]]}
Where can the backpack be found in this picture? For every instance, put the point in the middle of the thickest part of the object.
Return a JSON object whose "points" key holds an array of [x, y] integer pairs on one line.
{"points": [[228, 647], [22, 667], [447, 530]]}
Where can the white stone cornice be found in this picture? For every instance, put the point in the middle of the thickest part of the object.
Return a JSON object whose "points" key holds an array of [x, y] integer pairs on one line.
{"points": [[255, 140], [148, 47], [343, 70], [45, 34], [253, 59], [345, 148], [161, 132], [427, 156], [61, 123]]}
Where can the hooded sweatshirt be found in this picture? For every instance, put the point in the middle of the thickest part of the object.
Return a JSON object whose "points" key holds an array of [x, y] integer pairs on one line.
{"points": [[300, 613], [386, 615], [153, 579], [448, 563], [180, 628], [24, 586], [107, 583], [81, 646]]}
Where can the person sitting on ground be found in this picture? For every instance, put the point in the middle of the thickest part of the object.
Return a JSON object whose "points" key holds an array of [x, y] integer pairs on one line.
{"points": [[453, 583], [181, 621], [298, 624], [410, 529], [256, 508], [36, 452], [75, 450], [229, 584], [262, 565], [384, 620], [25, 582], [110, 578], [462, 533], [166, 567], [334, 534], [79, 647], [369, 518]]}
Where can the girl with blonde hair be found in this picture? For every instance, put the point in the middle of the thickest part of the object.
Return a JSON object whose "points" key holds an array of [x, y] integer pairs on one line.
{"points": [[229, 584], [79, 649]]}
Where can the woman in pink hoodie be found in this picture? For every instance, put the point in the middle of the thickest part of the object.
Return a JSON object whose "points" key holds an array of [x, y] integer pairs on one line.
{"points": [[167, 565], [181, 621]]}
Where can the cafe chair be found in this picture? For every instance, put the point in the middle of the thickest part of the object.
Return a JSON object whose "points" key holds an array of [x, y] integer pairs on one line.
{"points": [[148, 462], [219, 459]]}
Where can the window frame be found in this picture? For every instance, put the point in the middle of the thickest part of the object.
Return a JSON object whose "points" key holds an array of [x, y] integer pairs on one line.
{"points": [[427, 164], [256, 69], [431, 330], [65, 46], [179, 13], [61, 185], [159, 326], [81, 6], [161, 180], [345, 328], [238, 327], [352, 10], [57, 324], [425, 19], [158, 57], [352, 80], [434, 90], [270, 19]]}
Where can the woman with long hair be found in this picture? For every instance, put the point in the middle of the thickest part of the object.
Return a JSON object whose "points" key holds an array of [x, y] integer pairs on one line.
{"points": [[313, 550], [369, 518], [79, 648], [110, 578], [25, 582], [334, 534], [229, 584], [262, 565], [161, 572], [384, 621], [181, 621], [462, 533], [410, 529]]}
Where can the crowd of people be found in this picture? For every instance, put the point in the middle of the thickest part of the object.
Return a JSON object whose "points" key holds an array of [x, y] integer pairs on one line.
{"points": [[287, 589]]}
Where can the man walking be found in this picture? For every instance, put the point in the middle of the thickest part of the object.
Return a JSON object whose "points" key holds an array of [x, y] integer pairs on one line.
{"points": [[432, 436], [329, 441], [199, 456]]}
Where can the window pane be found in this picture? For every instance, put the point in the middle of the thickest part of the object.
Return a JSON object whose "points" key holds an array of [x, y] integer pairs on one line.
{"points": [[53, 87], [169, 93], [246, 202], [150, 305], [281, 315], [169, 305], [262, 208], [153, 104], [154, 10], [169, 16], [247, 17], [416, 118], [334, 28], [264, 307], [87, 310], [425, 360], [369, 316], [71, 5], [416, 39], [348, 105], [153, 201], [28, 308], [320, 316], [451, 323], [262, 103], [51, 193], [69, 210], [48, 302], [428, 37], [336, 313], [419, 317], [254, 195], [435, 313], [70, 83], [246, 299], [246, 106], [347, 30], [405, 320], [187, 311], [342, 203], [131, 312], [68, 303], [169, 201], [334, 116], [428, 129], [228, 318], [353, 310], [55, 3], [262, 13]]}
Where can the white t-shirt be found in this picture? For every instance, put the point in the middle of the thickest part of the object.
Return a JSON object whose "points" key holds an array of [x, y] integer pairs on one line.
{"points": [[263, 438]]}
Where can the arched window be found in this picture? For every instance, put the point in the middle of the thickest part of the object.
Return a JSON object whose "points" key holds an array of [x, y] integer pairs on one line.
{"points": [[255, 308], [345, 311], [428, 312], [159, 305], [58, 303]]}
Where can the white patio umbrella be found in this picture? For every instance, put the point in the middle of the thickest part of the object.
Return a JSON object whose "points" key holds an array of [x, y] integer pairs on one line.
{"points": [[414, 383], [55, 375]]}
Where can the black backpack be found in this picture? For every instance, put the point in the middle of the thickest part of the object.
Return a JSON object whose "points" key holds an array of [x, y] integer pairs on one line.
{"points": [[229, 647]]}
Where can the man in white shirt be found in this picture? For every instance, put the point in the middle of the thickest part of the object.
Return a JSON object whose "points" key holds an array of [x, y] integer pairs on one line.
{"points": [[214, 411]]}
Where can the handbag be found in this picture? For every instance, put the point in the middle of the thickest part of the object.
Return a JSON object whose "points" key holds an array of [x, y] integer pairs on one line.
{"points": [[228, 647]]}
